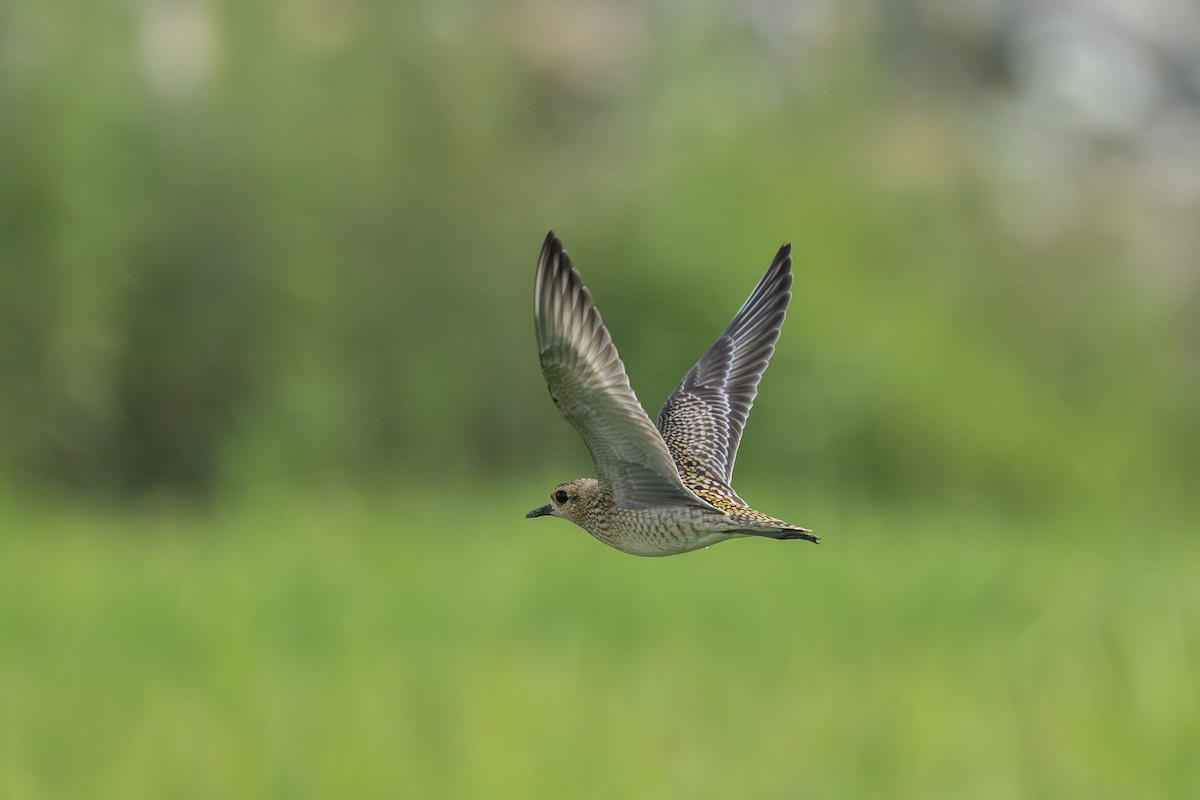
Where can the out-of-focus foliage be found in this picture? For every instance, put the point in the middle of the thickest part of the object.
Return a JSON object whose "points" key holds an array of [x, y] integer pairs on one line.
{"points": [[306, 651], [252, 249], [294, 241]]}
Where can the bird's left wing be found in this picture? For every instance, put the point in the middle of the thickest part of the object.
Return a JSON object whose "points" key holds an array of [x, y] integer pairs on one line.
{"points": [[588, 383]]}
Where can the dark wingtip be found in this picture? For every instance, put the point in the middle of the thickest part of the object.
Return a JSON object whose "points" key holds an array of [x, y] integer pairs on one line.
{"points": [[552, 249], [784, 257]]}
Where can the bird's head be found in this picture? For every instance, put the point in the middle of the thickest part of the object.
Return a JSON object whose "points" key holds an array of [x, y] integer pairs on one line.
{"points": [[570, 500]]}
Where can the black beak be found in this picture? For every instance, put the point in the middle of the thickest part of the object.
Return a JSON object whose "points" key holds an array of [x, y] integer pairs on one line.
{"points": [[539, 512]]}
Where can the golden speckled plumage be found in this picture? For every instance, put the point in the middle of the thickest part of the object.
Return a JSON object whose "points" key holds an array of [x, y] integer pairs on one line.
{"points": [[662, 489]]}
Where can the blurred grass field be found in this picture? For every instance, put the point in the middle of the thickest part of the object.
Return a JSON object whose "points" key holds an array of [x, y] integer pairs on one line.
{"points": [[442, 646]]}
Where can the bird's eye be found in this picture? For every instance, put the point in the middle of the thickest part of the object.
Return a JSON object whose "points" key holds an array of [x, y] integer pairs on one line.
{"points": [[561, 497]]}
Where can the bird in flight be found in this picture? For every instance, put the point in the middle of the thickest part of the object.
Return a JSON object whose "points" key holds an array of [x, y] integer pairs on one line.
{"points": [[665, 489]]}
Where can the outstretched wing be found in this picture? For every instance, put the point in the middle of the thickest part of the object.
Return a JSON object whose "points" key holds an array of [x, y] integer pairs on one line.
{"points": [[702, 420], [588, 383]]}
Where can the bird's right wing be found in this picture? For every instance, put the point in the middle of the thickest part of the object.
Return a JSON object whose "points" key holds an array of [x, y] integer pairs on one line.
{"points": [[588, 383], [702, 420]]}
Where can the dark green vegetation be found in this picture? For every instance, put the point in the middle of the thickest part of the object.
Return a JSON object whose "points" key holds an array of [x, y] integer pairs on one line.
{"points": [[270, 410], [247, 241]]}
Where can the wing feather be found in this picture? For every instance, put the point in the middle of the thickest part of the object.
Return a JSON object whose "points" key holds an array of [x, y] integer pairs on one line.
{"points": [[588, 383], [703, 419]]}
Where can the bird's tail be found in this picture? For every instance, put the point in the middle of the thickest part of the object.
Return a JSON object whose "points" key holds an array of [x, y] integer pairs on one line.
{"points": [[781, 530]]}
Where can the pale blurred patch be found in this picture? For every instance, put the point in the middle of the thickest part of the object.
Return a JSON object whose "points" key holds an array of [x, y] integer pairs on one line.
{"points": [[179, 44]]}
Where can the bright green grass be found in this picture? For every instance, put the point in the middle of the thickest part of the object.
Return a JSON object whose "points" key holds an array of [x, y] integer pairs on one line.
{"points": [[327, 647]]}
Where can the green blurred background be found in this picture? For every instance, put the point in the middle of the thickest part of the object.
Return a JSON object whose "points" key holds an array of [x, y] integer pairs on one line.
{"points": [[271, 414]]}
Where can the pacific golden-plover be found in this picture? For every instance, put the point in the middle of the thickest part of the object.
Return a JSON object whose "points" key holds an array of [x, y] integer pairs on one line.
{"points": [[665, 490]]}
